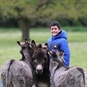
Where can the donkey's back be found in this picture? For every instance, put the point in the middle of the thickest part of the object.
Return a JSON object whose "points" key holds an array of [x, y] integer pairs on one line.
{"points": [[73, 77], [62, 76], [16, 74]]}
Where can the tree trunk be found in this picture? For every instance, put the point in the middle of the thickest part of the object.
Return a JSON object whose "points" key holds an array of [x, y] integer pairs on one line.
{"points": [[25, 29], [25, 33]]}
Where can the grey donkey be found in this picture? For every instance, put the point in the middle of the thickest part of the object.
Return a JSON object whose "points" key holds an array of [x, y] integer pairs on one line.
{"points": [[18, 73], [62, 76]]}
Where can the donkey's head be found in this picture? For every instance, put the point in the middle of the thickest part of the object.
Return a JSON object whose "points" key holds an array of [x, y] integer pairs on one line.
{"points": [[26, 49], [39, 60], [56, 60]]}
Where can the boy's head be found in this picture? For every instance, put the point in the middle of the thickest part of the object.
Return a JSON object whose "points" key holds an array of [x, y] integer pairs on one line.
{"points": [[54, 28], [55, 23]]}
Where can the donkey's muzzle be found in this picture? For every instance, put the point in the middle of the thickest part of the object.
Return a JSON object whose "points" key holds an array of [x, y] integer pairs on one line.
{"points": [[39, 69]]}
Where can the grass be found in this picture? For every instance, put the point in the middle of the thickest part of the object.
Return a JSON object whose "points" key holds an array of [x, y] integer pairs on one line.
{"points": [[72, 36], [10, 50], [78, 54]]}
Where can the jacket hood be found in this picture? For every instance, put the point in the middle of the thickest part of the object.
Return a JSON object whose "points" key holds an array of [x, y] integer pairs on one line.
{"points": [[62, 34]]}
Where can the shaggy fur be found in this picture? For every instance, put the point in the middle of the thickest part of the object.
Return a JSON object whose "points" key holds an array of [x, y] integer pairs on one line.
{"points": [[40, 67], [62, 76], [18, 73]]}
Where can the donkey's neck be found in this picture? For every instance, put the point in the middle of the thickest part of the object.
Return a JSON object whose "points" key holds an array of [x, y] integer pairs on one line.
{"points": [[61, 65], [27, 58]]}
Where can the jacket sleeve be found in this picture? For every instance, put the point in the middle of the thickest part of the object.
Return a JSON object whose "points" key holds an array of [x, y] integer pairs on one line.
{"points": [[64, 47]]}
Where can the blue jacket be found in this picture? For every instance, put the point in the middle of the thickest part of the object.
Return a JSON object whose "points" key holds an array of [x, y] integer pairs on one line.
{"points": [[60, 42]]}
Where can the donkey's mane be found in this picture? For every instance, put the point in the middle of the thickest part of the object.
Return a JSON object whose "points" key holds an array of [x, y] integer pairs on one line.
{"points": [[23, 57]]}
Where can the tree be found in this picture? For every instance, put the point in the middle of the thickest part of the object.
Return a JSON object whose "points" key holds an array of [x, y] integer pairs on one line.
{"points": [[71, 10], [25, 11]]}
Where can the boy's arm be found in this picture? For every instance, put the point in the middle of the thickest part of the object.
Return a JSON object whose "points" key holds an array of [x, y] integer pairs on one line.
{"points": [[64, 47]]}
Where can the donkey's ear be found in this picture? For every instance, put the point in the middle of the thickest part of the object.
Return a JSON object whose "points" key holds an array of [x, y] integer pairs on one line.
{"points": [[27, 42], [54, 54], [45, 46], [26, 39], [39, 46], [61, 54], [18, 42], [33, 44]]}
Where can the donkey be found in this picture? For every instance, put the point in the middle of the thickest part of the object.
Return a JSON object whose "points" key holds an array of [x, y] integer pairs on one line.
{"points": [[40, 66], [62, 76], [18, 73]]}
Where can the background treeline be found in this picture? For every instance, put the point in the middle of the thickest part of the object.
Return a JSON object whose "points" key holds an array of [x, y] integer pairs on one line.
{"points": [[12, 22]]}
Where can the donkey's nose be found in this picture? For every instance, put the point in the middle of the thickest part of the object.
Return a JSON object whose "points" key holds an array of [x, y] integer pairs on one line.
{"points": [[39, 69]]}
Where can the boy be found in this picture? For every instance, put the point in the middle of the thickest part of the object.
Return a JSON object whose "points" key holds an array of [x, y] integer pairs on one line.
{"points": [[58, 41]]}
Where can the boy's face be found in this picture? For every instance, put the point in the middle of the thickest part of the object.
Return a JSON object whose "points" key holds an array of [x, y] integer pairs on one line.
{"points": [[54, 30]]}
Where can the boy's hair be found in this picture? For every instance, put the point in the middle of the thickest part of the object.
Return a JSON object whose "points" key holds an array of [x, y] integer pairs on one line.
{"points": [[53, 23]]}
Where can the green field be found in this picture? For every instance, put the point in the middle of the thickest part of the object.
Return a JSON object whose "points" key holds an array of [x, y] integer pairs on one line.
{"points": [[10, 50]]}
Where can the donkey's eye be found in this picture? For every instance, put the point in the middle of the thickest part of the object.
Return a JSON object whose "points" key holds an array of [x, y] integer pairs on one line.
{"points": [[23, 47], [43, 61], [35, 60]]}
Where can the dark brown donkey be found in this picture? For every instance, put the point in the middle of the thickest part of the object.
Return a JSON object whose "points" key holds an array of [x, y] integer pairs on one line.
{"points": [[40, 66]]}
